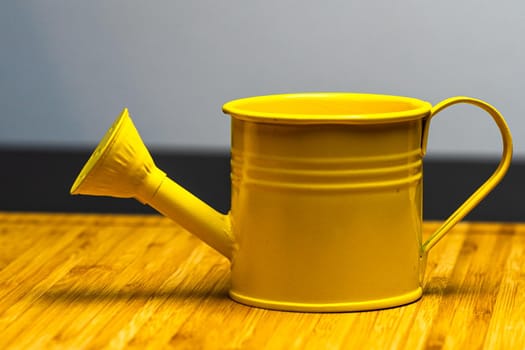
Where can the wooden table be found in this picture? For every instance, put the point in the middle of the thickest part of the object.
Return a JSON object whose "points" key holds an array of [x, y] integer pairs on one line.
{"points": [[109, 281]]}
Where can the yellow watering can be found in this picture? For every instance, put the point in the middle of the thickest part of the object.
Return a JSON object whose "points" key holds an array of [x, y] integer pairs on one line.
{"points": [[326, 206]]}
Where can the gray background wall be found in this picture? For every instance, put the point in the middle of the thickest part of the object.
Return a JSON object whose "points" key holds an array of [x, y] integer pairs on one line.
{"points": [[67, 68]]}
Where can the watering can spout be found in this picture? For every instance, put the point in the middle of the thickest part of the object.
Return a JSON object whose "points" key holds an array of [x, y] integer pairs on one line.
{"points": [[121, 166]]}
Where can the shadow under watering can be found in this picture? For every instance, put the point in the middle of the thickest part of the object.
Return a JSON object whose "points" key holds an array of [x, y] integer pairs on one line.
{"points": [[326, 202]]}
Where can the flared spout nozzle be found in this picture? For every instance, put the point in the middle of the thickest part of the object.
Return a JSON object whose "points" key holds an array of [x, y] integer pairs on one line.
{"points": [[121, 166]]}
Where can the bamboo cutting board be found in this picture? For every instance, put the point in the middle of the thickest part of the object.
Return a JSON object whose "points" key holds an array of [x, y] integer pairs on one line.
{"points": [[115, 281]]}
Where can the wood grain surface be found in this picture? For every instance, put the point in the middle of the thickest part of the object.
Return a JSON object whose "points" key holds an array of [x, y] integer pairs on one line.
{"points": [[117, 281]]}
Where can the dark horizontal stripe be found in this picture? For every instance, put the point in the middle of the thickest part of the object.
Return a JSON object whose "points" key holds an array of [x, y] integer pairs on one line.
{"points": [[39, 180]]}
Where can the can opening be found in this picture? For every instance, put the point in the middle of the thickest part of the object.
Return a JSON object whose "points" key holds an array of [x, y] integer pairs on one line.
{"points": [[326, 107]]}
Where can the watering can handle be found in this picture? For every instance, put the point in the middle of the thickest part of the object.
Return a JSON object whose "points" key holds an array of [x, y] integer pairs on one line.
{"points": [[488, 185]]}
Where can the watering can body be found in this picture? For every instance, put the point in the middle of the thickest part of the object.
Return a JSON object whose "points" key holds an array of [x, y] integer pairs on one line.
{"points": [[326, 216], [326, 202]]}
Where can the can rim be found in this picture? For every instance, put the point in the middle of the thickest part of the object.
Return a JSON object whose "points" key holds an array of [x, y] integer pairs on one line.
{"points": [[327, 107]]}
